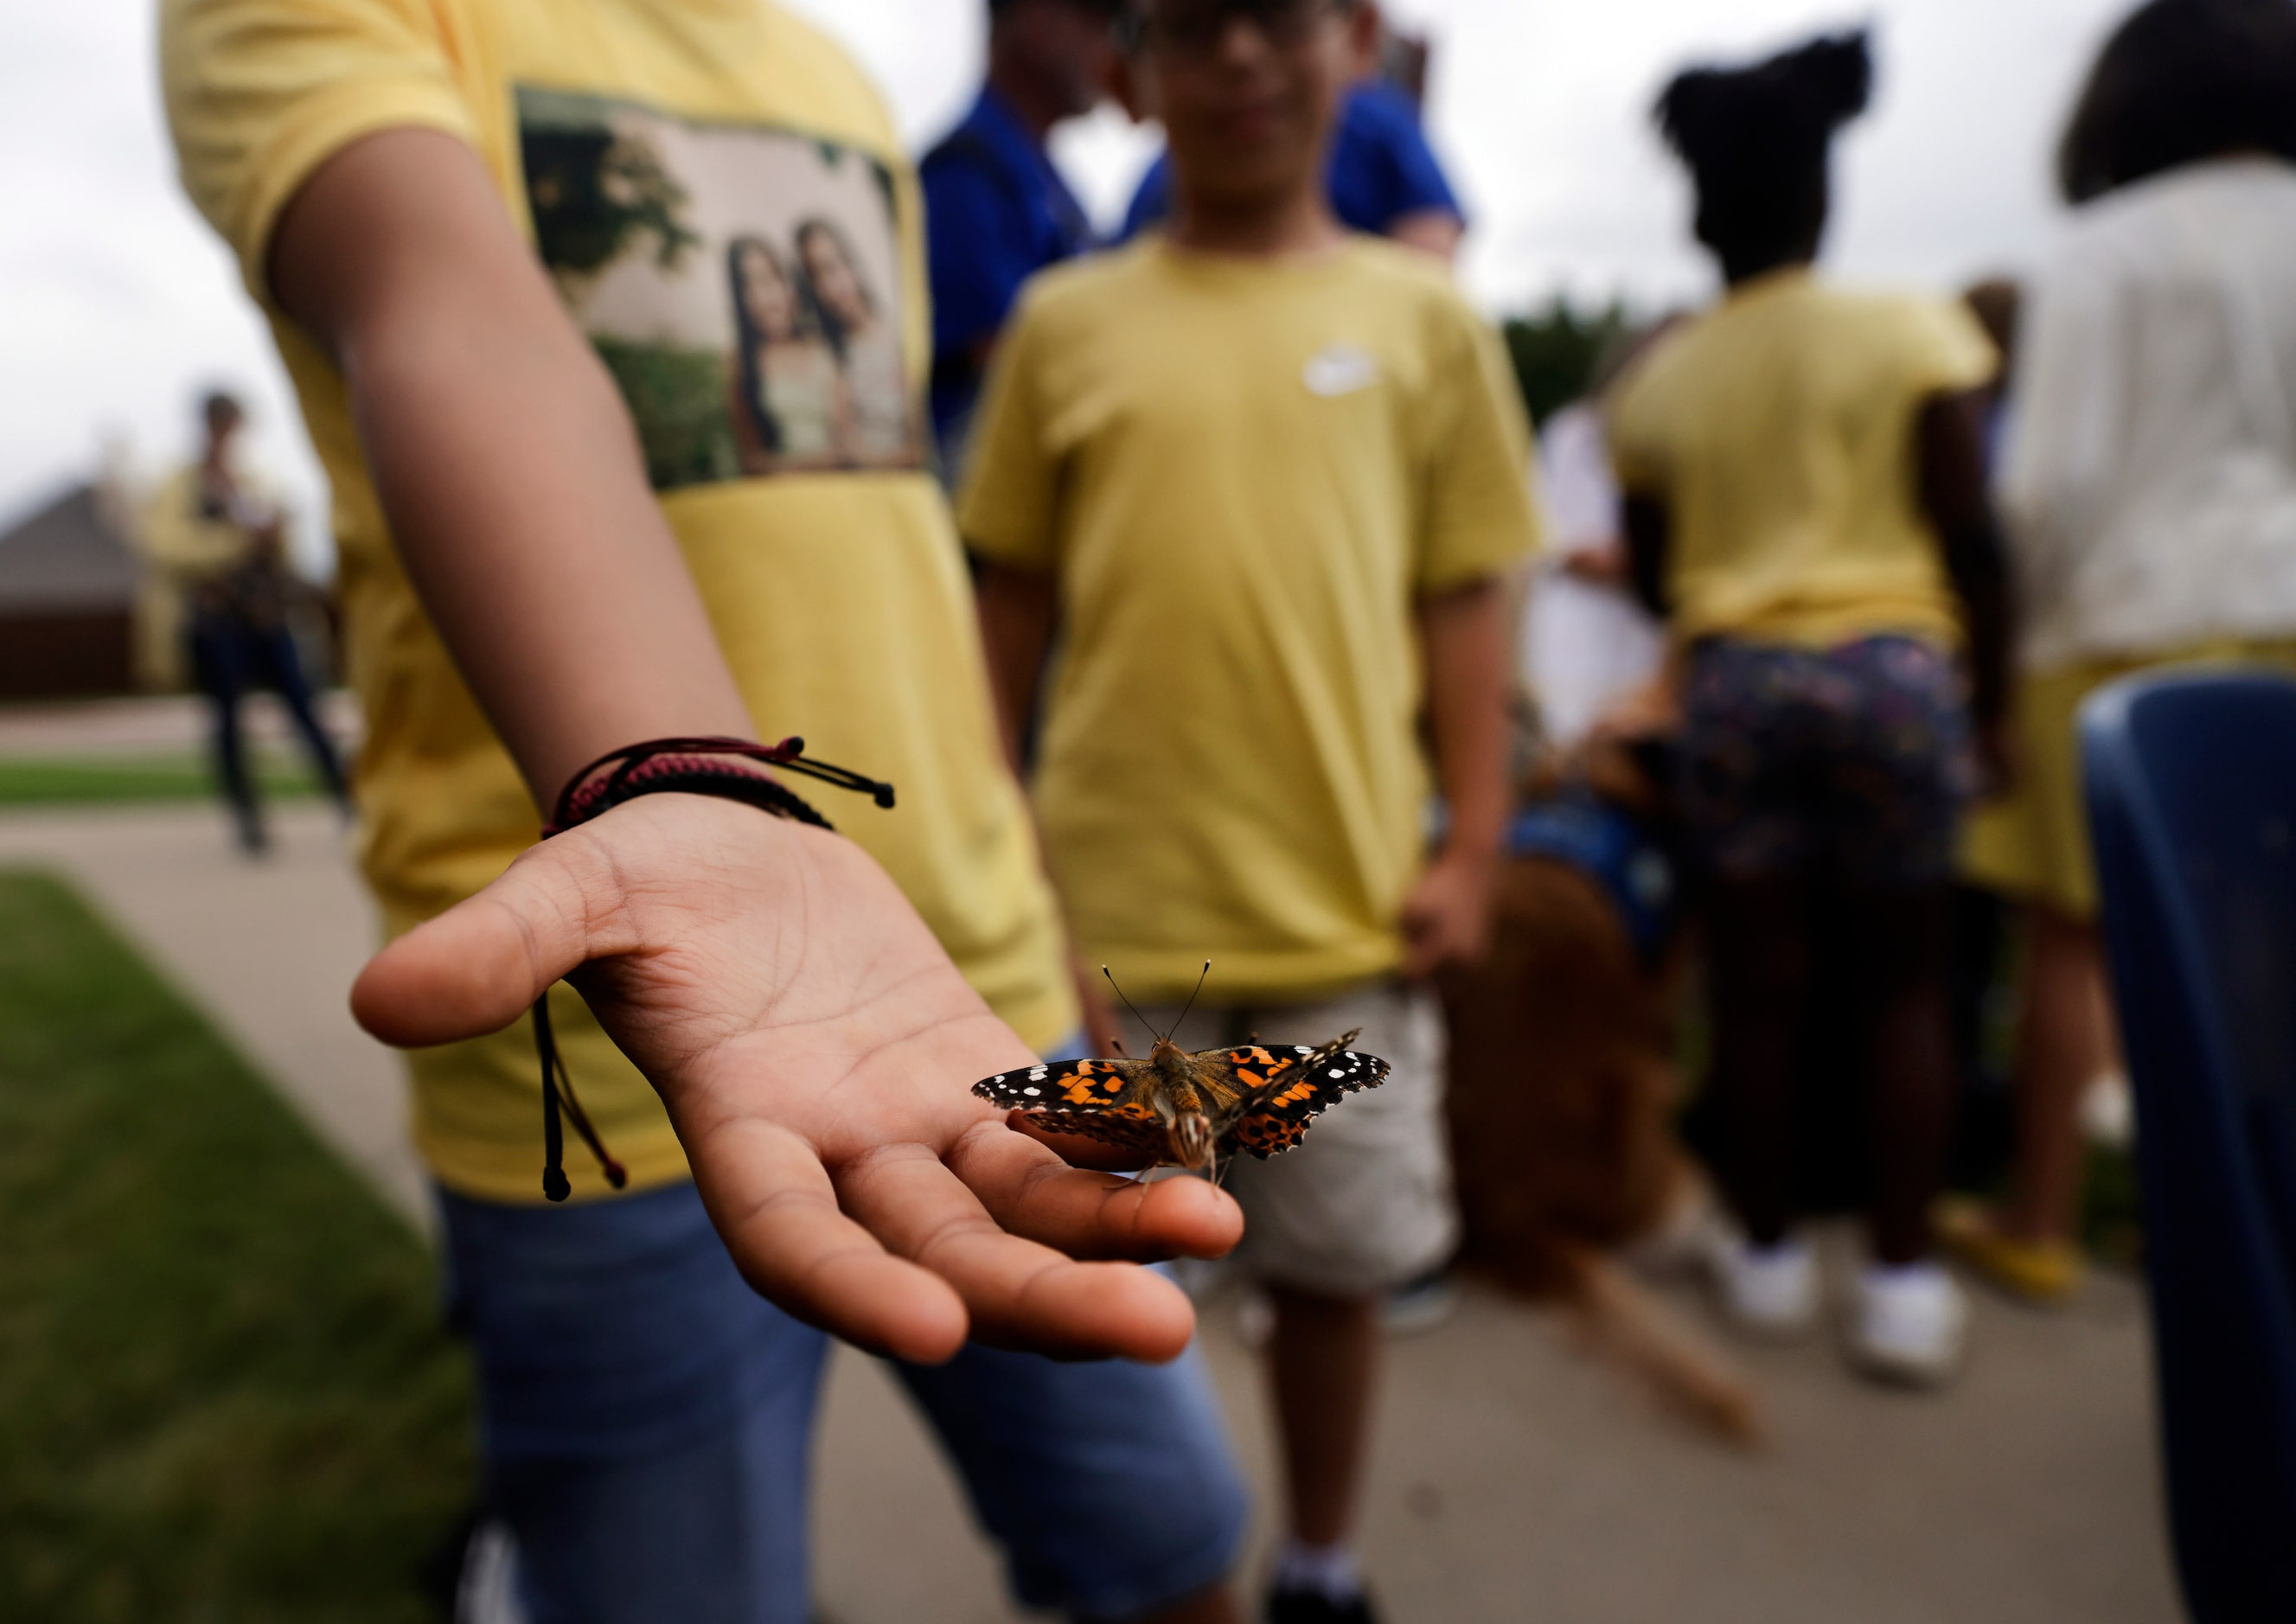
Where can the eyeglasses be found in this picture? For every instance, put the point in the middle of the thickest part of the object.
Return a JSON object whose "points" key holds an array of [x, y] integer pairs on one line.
{"points": [[1195, 28]]}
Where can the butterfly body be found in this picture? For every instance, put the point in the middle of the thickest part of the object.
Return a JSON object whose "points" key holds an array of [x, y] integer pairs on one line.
{"points": [[1189, 1109]]}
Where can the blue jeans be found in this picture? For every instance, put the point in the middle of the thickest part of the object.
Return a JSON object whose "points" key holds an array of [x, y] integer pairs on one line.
{"points": [[230, 657], [646, 1420]]}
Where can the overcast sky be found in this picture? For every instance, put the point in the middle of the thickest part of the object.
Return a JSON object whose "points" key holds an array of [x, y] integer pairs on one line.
{"points": [[118, 302]]}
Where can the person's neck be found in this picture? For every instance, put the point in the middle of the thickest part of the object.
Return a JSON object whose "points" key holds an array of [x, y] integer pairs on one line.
{"points": [[1737, 272], [1025, 96], [1300, 227]]}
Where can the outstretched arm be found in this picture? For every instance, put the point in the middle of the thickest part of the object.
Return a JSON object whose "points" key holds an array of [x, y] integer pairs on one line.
{"points": [[814, 1044]]}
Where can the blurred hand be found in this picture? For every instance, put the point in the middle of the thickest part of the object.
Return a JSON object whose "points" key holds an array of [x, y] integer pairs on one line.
{"points": [[1604, 565], [815, 1049], [1447, 918], [1997, 759]]}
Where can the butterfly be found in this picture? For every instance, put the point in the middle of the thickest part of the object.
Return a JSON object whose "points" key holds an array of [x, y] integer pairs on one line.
{"points": [[1189, 1109]]}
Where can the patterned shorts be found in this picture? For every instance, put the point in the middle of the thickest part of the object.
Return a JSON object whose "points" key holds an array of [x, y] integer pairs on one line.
{"points": [[1850, 764]]}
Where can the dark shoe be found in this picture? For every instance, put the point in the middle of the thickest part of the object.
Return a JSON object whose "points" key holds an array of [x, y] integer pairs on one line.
{"points": [[1313, 1607]]}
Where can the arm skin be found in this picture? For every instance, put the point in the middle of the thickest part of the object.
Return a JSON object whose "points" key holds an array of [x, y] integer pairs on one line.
{"points": [[1650, 532], [814, 1044], [1432, 231], [1950, 447], [1017, 610], [1464, 649]]}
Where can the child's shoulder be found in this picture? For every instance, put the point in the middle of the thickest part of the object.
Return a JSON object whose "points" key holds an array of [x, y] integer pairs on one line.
{"points": [[1878, 308], [1397, 272], [1418, 297]]}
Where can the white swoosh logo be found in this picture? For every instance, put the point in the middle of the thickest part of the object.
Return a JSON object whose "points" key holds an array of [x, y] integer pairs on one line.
{"points": [[1341, 369]]}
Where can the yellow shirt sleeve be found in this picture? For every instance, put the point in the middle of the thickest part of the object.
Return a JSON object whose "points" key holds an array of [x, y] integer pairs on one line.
{"points": [[259, 93], [1008, 511], [1946, 351], [1636, 461], [1481, 518]]}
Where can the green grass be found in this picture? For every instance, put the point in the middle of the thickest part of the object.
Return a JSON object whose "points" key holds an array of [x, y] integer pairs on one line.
{"points": [[223, 1391], [43, 781]]}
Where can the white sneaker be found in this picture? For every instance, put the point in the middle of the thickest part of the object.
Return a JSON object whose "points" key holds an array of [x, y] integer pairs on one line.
{"points": [[1769, 1291], [1911, 1324]]}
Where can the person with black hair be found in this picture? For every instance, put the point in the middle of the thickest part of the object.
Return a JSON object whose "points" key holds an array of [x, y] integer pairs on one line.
{"points": [[997, 209], [2150, 492], [1806, 506]]}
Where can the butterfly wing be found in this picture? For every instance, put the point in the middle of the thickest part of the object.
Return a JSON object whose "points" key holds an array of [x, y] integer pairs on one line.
{"points": [[1107, 1100], [1296, 1085]]}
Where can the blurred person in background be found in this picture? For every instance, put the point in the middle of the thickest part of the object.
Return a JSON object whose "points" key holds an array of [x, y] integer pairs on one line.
{"points": [[1806, 507], [997, 210], [1382, 177], [777, 1027], [220, 538], [1587, 641], [1232, 763], [2149, 489]]}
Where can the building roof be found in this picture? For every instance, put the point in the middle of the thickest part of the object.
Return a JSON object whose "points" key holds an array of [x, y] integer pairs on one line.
{"points": [[64, 555]]}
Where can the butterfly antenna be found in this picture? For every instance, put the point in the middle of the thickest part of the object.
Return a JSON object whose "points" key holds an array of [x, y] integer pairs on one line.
{"points": [[1137, 1015], [1191, 1003]]}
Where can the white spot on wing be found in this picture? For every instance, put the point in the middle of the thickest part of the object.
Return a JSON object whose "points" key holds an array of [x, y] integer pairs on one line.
{"points": [[1032, 1093]]}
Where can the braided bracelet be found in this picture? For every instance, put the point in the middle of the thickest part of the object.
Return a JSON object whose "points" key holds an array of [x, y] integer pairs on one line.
{"points": [[702, 765]]}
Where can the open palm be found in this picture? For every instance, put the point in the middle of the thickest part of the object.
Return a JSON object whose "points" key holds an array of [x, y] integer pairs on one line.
{"points": [[815, 1049]]}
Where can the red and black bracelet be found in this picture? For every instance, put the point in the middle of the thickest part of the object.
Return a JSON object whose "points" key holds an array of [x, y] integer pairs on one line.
{"points": [[686, 767]]}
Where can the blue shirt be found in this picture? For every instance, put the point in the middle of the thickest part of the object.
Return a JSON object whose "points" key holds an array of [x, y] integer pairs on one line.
{"points": [[1381, 167], [997, 212]]}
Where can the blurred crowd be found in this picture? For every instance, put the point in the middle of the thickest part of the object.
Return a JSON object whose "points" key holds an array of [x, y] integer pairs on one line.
{"points": [[1209, 595]]}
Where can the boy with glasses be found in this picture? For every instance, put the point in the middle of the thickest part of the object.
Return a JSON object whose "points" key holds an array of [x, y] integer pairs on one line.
{"points": [[1268, 477]]}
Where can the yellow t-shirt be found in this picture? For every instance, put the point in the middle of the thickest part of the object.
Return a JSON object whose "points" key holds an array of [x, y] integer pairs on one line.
{"points": [[706, 180], [1244, 472], [1778, 428], [184, 542]]}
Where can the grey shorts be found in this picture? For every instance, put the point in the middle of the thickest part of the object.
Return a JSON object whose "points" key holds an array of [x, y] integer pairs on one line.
{"points": [[1364, 1202]]}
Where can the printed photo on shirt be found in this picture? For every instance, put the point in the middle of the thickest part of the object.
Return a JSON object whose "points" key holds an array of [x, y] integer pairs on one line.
{"points": [[742, 283]]}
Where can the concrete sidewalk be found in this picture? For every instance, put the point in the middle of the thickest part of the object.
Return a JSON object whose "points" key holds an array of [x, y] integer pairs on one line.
{"points": [[1515, 1480]]}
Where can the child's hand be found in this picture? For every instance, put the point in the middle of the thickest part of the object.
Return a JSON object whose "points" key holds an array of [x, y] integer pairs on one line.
{"points": [[1447, 918], [1997, 759], [817, 1050]]}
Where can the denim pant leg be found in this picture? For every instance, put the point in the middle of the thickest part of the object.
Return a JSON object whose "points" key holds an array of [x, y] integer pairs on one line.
{"points": [[282, 668], [219, 663], [646, 1417], [1108, 1485]]}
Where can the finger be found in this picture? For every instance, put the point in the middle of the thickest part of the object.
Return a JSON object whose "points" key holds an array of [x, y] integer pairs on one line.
{"points": [[476, 967], [775, 1207], [1017, 1292], [1091, 1216], [1076, 1150]]}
